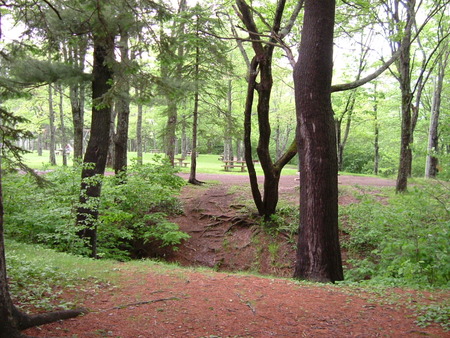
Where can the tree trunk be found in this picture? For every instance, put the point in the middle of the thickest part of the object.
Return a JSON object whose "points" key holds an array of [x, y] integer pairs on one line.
{"points": [[184, 137], [77, 104], [192, 178], [64, 141], [77, 56], [261, 65], [40, 144], [171, 129], [123, 109], [112, 133], [140, 154], [97, 148], [404, 68], [376, 147], [228, 136], [318, 252], [342, 139], [431, 167], [51, 117]]}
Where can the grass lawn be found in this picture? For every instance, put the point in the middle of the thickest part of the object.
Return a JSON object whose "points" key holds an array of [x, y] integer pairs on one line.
{"points": [[206, 163]]}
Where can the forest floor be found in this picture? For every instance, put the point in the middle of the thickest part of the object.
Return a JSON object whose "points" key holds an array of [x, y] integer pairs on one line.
{"points": [[166, 301]]}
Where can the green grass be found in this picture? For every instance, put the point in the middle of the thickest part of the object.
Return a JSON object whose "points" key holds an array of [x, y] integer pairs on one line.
{"points": [[206, 163], [74, 266]]}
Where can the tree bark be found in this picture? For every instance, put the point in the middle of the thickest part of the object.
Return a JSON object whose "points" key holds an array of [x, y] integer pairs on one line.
{"points": [[77, 56], [123, 109], [404, 78], [97, 148], [63, 127], [51, 118], [431, 166], [192, 175], [318, 252], [376, 146], [140, 153]]}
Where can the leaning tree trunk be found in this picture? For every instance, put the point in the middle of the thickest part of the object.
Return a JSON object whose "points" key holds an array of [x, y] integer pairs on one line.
{"points": [[97, 148], [318, 252]]}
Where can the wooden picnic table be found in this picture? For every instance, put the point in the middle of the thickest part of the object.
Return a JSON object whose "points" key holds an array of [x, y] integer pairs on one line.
{"points": [[229, 164]]}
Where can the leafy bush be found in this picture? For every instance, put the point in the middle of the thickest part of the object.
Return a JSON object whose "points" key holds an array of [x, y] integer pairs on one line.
{"points": [[45, 214], [132, 210], [134, 214], [402, 241]]}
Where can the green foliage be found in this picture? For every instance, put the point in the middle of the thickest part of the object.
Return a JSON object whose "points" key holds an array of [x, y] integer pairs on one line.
{"points": [[35, 284], [135, 213], [132, 211], [434, 313], [402, 241], [284, 221], [38, 276], [43, 214]]}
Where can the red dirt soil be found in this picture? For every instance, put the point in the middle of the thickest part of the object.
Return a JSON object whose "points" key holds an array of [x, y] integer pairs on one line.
{"points": [[159, 301]]}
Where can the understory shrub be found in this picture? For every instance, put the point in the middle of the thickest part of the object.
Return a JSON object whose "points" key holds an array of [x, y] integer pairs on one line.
{"points": [[402, 240], [133, 210]]}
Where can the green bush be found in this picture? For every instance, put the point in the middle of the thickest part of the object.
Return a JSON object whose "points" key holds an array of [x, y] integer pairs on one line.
{"points": [[132, 210], [400, 241], [133, 216]]}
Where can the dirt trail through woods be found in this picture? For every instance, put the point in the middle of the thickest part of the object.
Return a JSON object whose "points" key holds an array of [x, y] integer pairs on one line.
{"points": [[158, 301]]}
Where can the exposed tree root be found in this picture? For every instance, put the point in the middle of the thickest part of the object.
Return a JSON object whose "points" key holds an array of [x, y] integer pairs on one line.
{"points": [[195, 181], [141, 303], [26, 321]]}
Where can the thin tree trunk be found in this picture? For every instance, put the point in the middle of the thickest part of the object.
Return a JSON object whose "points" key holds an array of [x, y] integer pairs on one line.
{"points": [[40, 144], [77, 56], [318, 251], [431, 166], [140, 153], [123, 109], [112, 132], [228, 136], [192, 175], [63, 127], [184, 138], [376, 146], [51, 117]]}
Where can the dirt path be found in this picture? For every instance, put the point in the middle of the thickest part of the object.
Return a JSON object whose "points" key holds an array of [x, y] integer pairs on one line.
{"points": [[158, 301]]}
